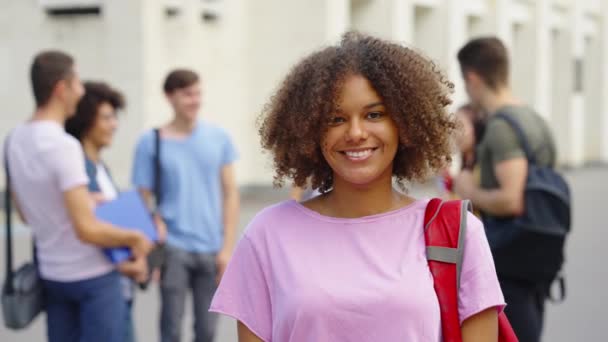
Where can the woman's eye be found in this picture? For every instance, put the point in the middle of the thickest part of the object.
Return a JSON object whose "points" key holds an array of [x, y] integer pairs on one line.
{"points": [[336, 120], [375, 115]]}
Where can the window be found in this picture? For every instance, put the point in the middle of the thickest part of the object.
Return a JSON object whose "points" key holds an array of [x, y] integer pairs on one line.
{"points": [[173, 7], [71, 7]]}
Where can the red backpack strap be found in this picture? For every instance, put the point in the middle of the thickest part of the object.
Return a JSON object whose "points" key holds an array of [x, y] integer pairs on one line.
{"points": [[445, 246], [444, 233]]}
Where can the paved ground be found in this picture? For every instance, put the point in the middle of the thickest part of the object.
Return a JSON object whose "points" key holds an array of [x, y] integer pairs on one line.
{"points": [[580, 318]]}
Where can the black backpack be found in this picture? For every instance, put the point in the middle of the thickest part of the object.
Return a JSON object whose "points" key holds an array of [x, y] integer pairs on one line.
{"points": [[530, 247]]}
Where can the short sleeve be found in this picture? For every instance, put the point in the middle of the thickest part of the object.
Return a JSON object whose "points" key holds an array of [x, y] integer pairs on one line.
{"points": [[229, 152], [244, 293], [502, 141], [479, 286], [142, 175], [69, 165]]}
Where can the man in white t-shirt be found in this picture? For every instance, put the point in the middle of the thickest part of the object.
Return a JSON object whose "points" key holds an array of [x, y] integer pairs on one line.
{"points": [[49, 182]]}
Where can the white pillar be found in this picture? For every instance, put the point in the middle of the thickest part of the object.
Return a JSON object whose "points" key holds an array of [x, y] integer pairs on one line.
{"points": [[577, 104], [502, 23], [562, 69], [124, 56], [456, 36], [337, 18], [603, 35], [153, 62], [541, 56], [523, 66], [402, 21]]}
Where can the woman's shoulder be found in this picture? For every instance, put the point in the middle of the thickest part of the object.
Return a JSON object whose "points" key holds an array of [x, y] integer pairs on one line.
{"points": [[271, 218]]}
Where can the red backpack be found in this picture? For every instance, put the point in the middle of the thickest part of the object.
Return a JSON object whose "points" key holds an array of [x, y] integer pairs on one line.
{"points": [[445, 226]]}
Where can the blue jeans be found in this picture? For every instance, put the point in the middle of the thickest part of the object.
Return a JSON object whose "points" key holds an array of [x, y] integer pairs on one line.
{"points": [[86, 310], [129, 324]]}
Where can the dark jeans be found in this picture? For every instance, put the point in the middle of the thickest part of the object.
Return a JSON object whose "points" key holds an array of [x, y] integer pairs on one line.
{"points": [[129, 324], [525, 308], [184, 271], [86, 310]]}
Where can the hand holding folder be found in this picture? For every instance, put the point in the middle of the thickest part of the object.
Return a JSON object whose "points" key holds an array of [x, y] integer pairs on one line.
{"points": [[126, 211]]}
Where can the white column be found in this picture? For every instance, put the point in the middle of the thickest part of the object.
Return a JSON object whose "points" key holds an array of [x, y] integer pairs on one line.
{"points": [[402, 21], [456, 36], [124, 57], [337, 18], [603, 35], [541, 56], [502, 23], [523, 47], [577, 103], [153, 62]]}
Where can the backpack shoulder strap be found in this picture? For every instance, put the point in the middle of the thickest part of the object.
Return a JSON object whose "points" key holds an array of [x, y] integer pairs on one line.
{"points": [[444, 234], [521, 135], [157, 168], [445, 225], [445, 229], [8, 283]]}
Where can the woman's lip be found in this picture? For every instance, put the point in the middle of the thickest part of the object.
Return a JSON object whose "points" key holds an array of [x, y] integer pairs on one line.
{"points": [[357, 149], [358, 155]]}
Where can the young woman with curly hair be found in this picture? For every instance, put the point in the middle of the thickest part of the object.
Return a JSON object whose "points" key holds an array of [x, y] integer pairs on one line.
{"points": [[350, 265]]}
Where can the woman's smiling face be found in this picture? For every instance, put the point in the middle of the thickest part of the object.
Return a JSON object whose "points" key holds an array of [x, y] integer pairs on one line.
{"points": [[361, 139]]}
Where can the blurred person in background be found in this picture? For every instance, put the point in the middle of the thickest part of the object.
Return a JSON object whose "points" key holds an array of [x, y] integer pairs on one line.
{"points": [[503, 166], [199, 203], [82, 288], [472, 123], [94, 125], [350, 265]]}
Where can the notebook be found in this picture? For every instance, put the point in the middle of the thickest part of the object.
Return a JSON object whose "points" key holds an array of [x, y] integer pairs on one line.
{"points": [[127, 211]]}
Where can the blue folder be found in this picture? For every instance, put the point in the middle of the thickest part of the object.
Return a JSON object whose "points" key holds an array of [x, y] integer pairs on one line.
{"points": [[126, 211]]}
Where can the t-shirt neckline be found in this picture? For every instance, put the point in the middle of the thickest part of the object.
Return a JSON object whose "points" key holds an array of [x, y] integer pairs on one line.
{"points": [[362, 219]]}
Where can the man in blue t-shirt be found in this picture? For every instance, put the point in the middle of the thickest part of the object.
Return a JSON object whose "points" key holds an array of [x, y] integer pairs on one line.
{"points": [[199, 204]]}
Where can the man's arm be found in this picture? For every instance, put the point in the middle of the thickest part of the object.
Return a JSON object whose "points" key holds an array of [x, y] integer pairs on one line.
{"points": [[148, 197], [161, 227], [90, 230], [508, 199], [510, 167], [231, 204], [18, 208]]}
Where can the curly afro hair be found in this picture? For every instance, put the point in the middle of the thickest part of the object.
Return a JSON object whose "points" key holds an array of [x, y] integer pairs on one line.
{"points": [[413, 89]]}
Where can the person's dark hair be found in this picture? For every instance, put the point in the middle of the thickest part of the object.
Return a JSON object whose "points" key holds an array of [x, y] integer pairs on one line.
{"points": [[96, 93], [412, 88], [478, 119], [179, 79], [48, 68], [488, 57]]}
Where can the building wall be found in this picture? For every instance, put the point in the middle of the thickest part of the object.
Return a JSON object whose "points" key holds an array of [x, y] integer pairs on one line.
{"points": [[244, 53]]}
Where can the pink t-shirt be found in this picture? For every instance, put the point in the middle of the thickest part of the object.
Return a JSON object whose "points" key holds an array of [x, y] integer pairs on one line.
{"points": [[299, 276]]}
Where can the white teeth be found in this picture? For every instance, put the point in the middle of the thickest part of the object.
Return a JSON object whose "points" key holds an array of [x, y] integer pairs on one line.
{"points": [[358, 154]]}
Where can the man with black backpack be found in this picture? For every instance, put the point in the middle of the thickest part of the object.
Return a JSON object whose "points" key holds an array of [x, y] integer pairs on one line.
{"points": [[524, 202]]}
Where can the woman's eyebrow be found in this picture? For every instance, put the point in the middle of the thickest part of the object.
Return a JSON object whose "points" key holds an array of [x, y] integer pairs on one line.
{"points": [[372, 105]]}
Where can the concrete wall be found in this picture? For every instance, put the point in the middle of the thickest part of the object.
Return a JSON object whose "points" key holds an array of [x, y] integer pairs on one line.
{"points": [[107, 47], [245, 52]]}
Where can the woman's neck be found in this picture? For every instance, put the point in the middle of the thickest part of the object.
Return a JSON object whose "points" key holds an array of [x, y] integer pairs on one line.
{"points": [[351, 201], [91, 150]]}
